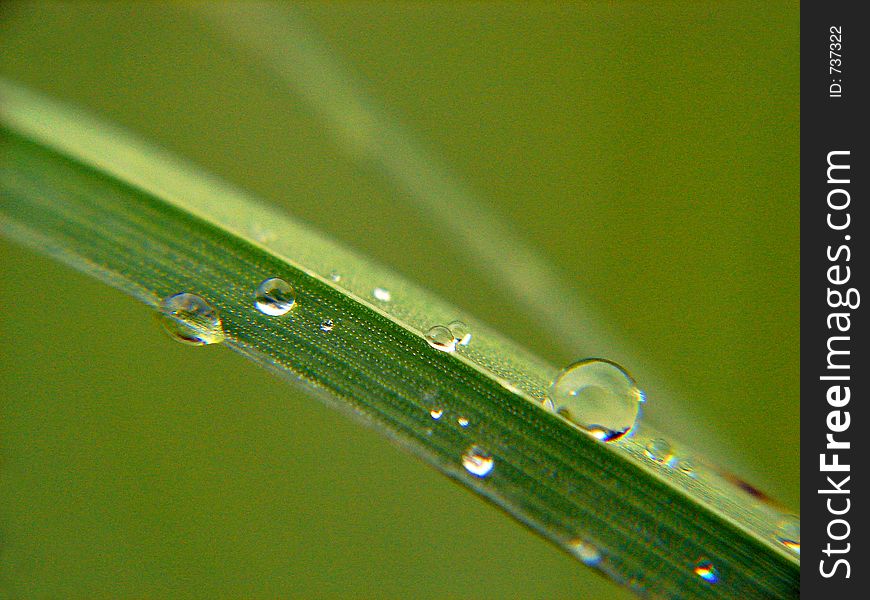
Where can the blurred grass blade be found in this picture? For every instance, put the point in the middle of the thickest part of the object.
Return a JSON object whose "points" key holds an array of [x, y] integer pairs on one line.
{"points": [[153, 226]]}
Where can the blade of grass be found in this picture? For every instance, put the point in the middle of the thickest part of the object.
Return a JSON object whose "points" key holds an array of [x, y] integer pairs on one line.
{"points": [[284, 43], [153, 226]]}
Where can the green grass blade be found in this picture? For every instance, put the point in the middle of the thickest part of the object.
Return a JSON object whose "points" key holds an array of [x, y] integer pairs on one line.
{"points": [[282, 41], [152, 226]]}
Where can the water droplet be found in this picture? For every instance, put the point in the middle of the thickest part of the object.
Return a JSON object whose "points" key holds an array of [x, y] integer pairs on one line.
{"points": [[788, 533], [275, 297], [599, 396], [463, 422], [436, 413], [327, 325], [335, 276], [659, 450], [589, 554], [706, 571], [478, 461], [382, 294], [191, 320], [440, 338], [461, 332], [262, 234], [687, 466]]}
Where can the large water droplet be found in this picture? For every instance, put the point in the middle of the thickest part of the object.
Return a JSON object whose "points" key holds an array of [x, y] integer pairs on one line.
{"points": [[327, 325], [478, 461], [788, 533], [436, 413], [275, 297], [463, 422], [706, 571], [382, 294], [191, 320], [440, 338], [461, 332], [599, 396]]}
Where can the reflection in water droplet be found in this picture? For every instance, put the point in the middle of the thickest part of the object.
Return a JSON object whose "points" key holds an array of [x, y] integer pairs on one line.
{"points": [[659, 450], [327, 325], [436, 413], [461, 332], [335, 276], [382, 294], [788, 533], [440, 338], [586, 552], [191, 320], [463, 422], [706, 571], [599, 396], [274, 297], [478, 461]]}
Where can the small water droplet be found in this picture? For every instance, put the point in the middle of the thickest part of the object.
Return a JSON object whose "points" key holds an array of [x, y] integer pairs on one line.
{"points": [[262, 233], [478, 461], [382, 294], [599, 396], [788, 533], [335, 276], [436, 413], [274, 297], [461, 332], [191, 320], [463, 422], [706, 571], [687, 466], [327, 325], [659, 450], [586, 552], [440, 338]]}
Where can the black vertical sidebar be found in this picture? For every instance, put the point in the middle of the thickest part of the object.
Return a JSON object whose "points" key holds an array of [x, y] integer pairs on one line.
{"points": [[835, 368]]}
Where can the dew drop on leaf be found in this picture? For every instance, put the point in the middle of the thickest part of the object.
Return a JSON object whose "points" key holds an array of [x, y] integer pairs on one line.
{"points": [[275, 297], [788, 533], [440, 338], [586, 552], [191, 320], [382, 294], [477, 461], [461, 332], [598, 396], [659, 450], [706, 571]]}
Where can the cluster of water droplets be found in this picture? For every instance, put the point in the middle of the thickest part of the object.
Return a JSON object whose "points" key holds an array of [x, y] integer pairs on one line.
{"points": [[595, 395], [189, 319]]}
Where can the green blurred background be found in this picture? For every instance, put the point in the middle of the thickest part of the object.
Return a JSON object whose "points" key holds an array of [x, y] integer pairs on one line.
{"points": [[650, 152]]}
